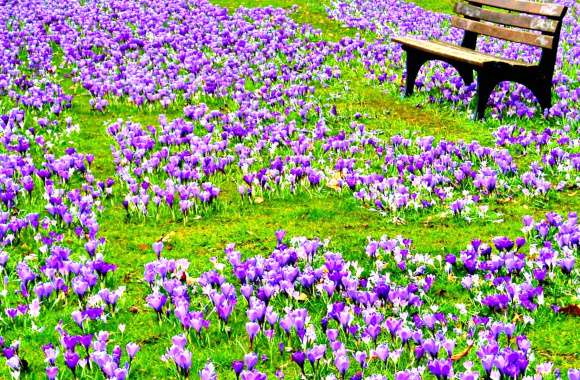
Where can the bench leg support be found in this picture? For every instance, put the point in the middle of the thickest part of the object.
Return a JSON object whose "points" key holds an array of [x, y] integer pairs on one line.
{"points": [[414, 63], [543, 92], [485, 85], [466, 73]]}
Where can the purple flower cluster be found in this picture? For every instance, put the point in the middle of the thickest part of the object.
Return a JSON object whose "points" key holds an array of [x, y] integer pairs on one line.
{"points": [[169, 170], [28, 71], [246, 83], [181, 165], [51, 254], [511, 279], [179, 51], [181, 357], [41, 208], [275, 135], [94, 351], [14, 362], [381, 319]]}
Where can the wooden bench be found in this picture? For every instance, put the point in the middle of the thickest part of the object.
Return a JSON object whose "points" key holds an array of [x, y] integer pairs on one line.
{"points": [[536, 24]]}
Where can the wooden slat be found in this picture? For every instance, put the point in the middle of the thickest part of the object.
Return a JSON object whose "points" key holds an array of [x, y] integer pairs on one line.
{"points": [[540, 9], [485, 58], [518, 20], [500, 32], [458, 53]]}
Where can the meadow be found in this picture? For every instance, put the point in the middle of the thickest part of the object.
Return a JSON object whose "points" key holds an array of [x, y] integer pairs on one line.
{"points": [[237, 189]]}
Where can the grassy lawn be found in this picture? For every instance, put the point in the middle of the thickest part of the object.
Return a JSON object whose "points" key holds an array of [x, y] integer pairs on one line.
{"points": [[326, 215]]}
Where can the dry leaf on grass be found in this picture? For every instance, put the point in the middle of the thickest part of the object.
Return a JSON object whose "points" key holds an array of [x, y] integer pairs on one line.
{"points": [[134, 309], [462, 354], [571, 310]]}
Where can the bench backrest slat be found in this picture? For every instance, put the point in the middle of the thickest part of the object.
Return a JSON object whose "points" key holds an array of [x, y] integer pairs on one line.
{"points": [[539, 40], [541, 9], [518, 20]]}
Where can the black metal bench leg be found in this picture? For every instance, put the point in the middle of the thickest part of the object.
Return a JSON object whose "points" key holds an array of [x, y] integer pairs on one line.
{"points": [[414, 63], [485, 85], [466, 74], [543, 92]]}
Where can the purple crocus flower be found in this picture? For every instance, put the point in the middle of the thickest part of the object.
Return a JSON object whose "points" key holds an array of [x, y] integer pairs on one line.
{"points": [[441, 368], [299, 358], [252, 328], [567, 264], [71, 359], [208, 372], [238, 367], [250, 360], [361, 358], [342, 363], [503, 243], [156, 301], [51, 372], [132, 349], [158, 248], [183, 360]]}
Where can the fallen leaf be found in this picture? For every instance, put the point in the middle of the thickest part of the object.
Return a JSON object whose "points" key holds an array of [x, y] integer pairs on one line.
{"points": [[571, 310], [168, 237], [333, 184], [505, 200], [462, 354], [258, 200], [302, 297], [134, 309], [399, 221]]}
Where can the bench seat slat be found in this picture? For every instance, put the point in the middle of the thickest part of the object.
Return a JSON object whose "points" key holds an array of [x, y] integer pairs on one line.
{"points": [[517, 20], [539, 40], [540, 9], [459, 53]]}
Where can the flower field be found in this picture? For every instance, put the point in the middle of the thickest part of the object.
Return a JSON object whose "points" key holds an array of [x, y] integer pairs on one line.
{"points": [[236, 189]]}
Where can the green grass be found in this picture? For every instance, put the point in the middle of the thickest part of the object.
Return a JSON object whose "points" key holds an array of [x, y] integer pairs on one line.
{"points": [[252, 227], [333, 216]]}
